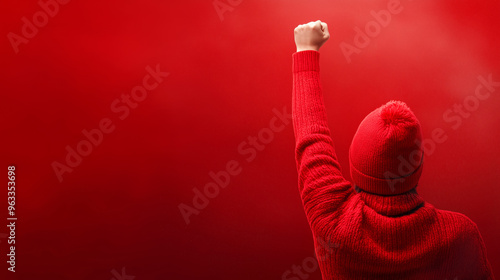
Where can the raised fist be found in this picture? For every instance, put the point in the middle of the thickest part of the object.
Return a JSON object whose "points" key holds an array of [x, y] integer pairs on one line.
{"points": [[311, 36]]}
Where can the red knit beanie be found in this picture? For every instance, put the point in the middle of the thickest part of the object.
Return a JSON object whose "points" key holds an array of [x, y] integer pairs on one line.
{"points": [[386, 155]]}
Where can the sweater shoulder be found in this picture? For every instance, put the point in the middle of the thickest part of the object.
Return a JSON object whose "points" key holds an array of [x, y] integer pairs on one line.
{"points": [[465, 245], [459, 220], [459, 229]]}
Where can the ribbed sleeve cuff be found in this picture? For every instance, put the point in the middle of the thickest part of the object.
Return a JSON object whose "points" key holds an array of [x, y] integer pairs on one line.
{"points": [[305, 61]]}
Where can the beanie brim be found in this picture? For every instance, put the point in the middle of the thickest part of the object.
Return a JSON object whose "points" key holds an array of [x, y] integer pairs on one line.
{"points": [[389, 185]]}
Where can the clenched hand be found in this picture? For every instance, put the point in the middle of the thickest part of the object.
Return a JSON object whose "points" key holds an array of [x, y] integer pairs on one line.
{"points": [[311, 36]]}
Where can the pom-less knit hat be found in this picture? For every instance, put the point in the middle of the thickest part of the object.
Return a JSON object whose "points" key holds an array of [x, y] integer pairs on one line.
{"points": [[386, 155]]}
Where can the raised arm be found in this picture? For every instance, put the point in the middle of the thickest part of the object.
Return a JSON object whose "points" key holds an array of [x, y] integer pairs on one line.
{"points": [[322, 187]]}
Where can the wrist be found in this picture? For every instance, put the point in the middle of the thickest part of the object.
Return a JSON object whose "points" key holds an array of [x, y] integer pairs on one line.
{"points": [[300, 49]]}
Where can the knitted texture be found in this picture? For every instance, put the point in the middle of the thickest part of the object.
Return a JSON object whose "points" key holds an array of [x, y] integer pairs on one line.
{"points": [[385, 154], [365, 235]]}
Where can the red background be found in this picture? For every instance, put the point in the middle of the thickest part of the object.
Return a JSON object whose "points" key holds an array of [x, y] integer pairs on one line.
{"points": [[119, 207]]}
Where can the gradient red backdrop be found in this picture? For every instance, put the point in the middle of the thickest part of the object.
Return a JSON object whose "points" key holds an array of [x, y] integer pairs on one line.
{"points": [[116, 214]]}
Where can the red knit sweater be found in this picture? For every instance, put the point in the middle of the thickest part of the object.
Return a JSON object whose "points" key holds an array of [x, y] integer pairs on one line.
{"points": [[366, 236]]}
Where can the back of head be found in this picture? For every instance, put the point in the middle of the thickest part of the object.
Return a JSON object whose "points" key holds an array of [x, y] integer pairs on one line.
{"points": [[386, 155]]}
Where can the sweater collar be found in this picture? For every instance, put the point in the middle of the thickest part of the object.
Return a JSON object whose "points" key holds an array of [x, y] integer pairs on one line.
{"points": [[396, 205]]}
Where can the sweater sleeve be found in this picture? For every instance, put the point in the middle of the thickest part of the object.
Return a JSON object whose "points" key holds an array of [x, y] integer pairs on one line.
{"points": [[322, 187], [484, 266]]}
